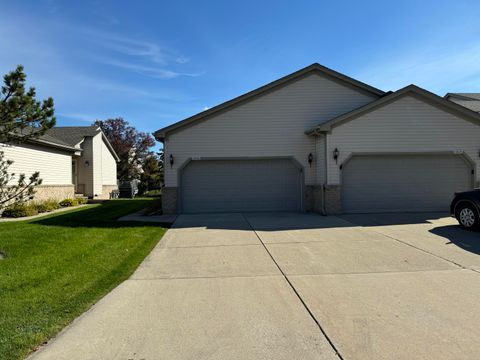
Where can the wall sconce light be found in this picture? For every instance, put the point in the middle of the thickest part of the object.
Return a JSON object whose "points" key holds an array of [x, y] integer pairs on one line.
{"points": [[310, 159], [171, 160], [87, 163], [336, 153]]}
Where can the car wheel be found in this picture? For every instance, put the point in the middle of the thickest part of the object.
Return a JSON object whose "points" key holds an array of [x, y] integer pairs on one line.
{"points": [[467, 216]]}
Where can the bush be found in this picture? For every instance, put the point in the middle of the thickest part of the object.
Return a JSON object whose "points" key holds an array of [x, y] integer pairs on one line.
{"points": [[46, 206], [52, 205], [20, 210], [69, 202], [82, 201], [40, 206]]}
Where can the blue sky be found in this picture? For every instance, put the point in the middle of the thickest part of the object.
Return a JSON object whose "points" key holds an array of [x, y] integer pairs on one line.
{"points": [[157, 62]]}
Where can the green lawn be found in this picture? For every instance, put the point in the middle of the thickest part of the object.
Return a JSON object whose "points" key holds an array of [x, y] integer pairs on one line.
{"points": [[58, 266]]}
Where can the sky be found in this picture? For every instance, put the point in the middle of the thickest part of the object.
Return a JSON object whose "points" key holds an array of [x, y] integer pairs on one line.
{"points": [[157, 62]]}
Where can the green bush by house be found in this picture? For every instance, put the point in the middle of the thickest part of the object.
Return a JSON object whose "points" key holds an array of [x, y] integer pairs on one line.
{"points": [[46, 206], [69, 202], [20, 210], [82, 201], [37, 207]]}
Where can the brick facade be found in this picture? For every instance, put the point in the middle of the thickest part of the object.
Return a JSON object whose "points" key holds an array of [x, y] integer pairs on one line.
{"points": [[53, 192], [170, 200], [333, 199]]}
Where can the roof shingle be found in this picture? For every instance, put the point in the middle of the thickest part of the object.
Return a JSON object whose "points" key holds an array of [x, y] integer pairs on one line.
{"points": [[72, 135]]}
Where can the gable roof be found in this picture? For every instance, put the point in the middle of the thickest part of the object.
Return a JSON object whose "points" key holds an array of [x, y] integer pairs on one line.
{"points": [[314, 68], [468, 100], [464, 96], [414, 90], [44, 140], [72, 135]]}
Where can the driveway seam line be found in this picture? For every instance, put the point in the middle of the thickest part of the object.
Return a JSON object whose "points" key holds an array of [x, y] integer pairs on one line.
{"points": [[294, 275], [296, 292], [207, 246], [415, 247], [380, 272], [206, 277], [321, 241]]}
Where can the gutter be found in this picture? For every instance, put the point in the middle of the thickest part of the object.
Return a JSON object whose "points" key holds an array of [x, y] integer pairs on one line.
{"points": [[53, 145], [324, 209]]}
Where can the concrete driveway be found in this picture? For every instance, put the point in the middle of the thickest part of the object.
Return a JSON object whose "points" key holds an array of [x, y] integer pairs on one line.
{"points": [[292, 286]]}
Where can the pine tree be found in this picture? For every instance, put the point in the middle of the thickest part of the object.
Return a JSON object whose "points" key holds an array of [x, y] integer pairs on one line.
{"points": [[22, 117]]}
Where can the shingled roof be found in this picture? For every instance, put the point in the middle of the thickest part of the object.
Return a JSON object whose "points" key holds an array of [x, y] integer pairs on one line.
{"points": [[72, 135], [468, 100]]}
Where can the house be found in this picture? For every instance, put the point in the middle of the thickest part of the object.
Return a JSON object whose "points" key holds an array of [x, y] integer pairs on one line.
{"points": [[71, 160], [469, 100], [317, 140]]}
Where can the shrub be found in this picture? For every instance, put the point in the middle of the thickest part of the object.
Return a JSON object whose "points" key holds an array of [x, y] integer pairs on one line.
{"points": [[82, 201], [40, 206], [20, 210], [69, 202], [46, 206], [52, 205]]}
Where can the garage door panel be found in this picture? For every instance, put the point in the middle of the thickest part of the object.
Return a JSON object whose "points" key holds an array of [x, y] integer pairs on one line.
{"points": [[241, 185], [403, 182]]}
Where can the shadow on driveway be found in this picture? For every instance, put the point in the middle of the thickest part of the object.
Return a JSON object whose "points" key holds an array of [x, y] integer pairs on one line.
{"points": [[384, 219], [266, 221], [464, 239]]}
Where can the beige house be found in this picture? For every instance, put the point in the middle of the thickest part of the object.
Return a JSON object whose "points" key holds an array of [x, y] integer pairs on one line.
{"points": [[71, 161], [317, 140]]}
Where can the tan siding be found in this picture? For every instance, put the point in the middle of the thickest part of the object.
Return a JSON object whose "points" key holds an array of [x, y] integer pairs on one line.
{"points": [[109, 166], [55, 166], [97, 164], [271, 125], [85, 173], [407, 125]]}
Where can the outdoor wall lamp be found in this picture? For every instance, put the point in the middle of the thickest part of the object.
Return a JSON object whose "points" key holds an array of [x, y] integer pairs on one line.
{"points": [[310, 159], [336, 153], [171, 160]]}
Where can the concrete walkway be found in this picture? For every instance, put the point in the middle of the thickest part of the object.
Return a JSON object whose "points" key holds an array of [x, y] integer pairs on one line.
{"points": [[284, 286]]}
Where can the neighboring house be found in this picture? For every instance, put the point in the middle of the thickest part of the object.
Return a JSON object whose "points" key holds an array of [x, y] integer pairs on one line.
{"points": [[317, 140], [469, 100], [71, 160]]}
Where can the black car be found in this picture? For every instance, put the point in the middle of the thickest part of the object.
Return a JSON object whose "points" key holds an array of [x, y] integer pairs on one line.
{"points": [[466, 208]]}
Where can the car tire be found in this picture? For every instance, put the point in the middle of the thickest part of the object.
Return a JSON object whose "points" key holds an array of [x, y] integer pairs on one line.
{"points": [[467, 216]]}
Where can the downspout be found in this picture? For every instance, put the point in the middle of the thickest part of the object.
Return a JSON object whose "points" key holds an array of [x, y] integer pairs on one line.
{"points": [[324, 210]]}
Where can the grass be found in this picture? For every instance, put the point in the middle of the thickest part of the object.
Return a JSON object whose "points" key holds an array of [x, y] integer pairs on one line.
{"points": [[152, 193], [59, 265]]}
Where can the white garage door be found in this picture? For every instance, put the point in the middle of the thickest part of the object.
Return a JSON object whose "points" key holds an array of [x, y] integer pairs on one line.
{"points": [[403, 182], [240, 185]]}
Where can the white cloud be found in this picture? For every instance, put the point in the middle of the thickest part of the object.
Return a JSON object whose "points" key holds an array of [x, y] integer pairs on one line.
{"points": [[151, 71], [451, 68], [75, 117], [140, 56], [140, 49]]}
